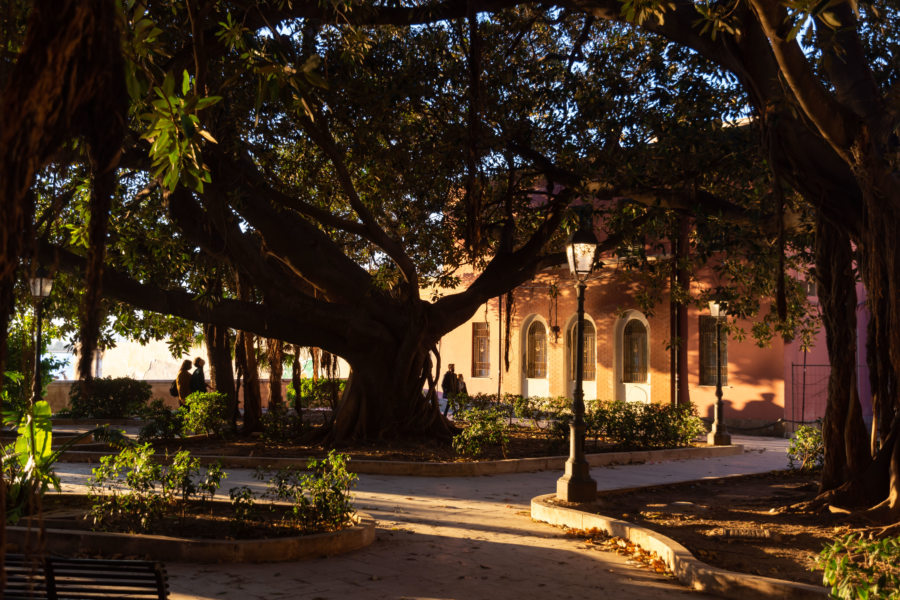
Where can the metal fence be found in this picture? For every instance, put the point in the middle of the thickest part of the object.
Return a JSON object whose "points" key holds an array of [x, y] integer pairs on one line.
{"points": [[809, 393]]}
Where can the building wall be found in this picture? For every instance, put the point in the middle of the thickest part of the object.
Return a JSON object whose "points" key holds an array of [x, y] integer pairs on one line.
{"points": [[607, 299], [58, 393], [753, 396]]}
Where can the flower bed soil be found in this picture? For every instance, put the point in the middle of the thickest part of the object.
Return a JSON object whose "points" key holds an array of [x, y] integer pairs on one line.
{"points": [[738, 523], [202, 520]]}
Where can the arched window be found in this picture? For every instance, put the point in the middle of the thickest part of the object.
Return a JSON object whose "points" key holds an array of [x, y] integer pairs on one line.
{"points": [[590, 351], [634, 353], [536, 351]]}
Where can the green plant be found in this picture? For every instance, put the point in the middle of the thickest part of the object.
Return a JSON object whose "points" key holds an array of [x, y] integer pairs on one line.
{"points": [[110, 398], [856, 567], [161, 422], [485, 427], [242, 506], [27, 464], [281, 424], [319, 498], [806, 451], [316, 393], [122, 490], [206, 412]]}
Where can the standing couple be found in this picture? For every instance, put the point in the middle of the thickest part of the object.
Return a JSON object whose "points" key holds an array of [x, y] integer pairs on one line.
{"points": [[188, 382], [452, 385]]}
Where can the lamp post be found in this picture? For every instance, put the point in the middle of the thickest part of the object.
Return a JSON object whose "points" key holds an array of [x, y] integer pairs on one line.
{"points": [[576, 484], [40, 284], [719, 435]]}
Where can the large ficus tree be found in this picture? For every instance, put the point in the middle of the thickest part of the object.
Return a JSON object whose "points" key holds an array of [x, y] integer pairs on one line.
{"points": [[338, 172]]}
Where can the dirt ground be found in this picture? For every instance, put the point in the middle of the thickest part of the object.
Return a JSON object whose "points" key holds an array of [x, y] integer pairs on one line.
{"points": [[737, 523], [203, 520]]}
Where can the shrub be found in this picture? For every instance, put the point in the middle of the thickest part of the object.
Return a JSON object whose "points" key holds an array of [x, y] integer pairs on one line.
{"points": [[320, 393], [206, 412], [855, 567], [242, 506], [807, 449], [639, 425], [110, 398], [123, 489], [281, 424], [161, 422], [320, 498], [485, 427]]}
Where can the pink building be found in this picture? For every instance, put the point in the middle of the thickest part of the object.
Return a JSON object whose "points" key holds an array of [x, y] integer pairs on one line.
{"points": [[627, 354]]}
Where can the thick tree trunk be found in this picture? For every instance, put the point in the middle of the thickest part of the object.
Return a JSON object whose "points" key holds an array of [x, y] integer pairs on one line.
{"points": [[275, 355], [221, 373], [297, 376], [846, 451], [252, 398], [384, 398]]}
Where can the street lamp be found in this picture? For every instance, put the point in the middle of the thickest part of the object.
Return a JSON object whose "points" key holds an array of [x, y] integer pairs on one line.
{"points": [[40, 284], [719, 435], [576, 484]]}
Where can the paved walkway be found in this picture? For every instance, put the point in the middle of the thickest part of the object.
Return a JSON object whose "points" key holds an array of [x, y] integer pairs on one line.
{"points": [[462, 538]]}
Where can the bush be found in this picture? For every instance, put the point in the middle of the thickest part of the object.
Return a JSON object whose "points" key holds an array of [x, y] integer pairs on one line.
{"points": [[639, 425], [281, 424], [206, 412], [486, 427], [855, 567], [319, 499], [123, 489], [320, 393], [110, 398], [807, 449], [161, 422]]}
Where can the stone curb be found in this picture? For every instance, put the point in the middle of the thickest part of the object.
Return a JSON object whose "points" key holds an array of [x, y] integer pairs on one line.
{"points": [[453, 469], [70, 542], [687, 569]]}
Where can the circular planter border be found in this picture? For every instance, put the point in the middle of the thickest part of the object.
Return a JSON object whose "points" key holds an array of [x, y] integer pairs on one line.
{"points": [[69, 542], [687, 569], [452, 469]]}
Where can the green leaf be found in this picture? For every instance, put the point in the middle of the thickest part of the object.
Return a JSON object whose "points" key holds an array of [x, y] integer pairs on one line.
{"points": [[185, 83]]}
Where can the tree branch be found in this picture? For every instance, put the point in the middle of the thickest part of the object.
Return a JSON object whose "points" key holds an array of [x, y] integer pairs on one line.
{"points": [[830, 118], [302, 320]]}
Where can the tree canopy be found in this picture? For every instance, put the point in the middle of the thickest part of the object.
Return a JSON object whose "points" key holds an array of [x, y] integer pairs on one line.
{"points": [[303, 170]]}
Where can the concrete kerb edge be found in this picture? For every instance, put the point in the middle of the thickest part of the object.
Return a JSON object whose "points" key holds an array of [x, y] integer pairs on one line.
{"points": [[687, 569], [451, 469], [171, 549]]}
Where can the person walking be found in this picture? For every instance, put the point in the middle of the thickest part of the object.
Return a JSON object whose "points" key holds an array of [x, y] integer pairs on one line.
{"points": [[461, 385], [198, 379], [183, 382], [449, 385]]}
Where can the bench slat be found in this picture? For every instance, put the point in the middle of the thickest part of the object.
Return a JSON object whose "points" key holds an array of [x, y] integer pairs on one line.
{"points": [[54, 578]]}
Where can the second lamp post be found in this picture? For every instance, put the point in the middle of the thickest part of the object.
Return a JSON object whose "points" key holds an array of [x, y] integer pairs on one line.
{"points": [[40, 285], [719, 435], [576, 484]]}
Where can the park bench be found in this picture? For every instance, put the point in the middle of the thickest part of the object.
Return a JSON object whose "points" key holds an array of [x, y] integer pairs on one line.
{"points": [[53, 578]]}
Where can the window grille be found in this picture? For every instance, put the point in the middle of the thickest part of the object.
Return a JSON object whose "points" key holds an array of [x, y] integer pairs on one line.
{"points": [[481, 358], [536, 354], [708, 352], [634, 353], [590, 351]]}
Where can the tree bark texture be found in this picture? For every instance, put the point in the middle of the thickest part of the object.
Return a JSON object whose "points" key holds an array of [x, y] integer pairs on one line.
{"points": [[219, 344], [846, 450], [275, 356]]}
